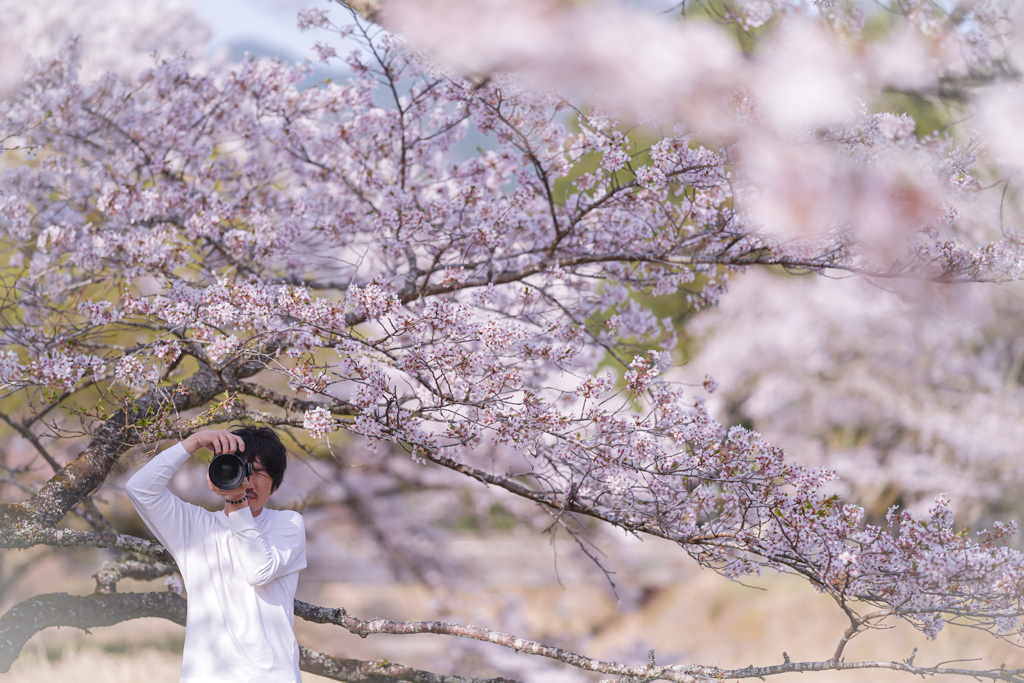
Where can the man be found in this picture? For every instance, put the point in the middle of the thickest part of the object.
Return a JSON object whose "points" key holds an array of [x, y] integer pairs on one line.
{"points": [[240, 565]]}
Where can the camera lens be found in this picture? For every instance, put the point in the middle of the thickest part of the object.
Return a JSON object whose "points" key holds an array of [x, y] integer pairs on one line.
{"points": [[227, 471]]}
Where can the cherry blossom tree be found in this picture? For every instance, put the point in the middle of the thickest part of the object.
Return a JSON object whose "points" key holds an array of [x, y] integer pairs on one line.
{"points": [[453, 256]]}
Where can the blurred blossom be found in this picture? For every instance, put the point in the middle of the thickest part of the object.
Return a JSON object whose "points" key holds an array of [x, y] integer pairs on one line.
{"points": [[798, 186], [1001, 122], [10, 66], [116, 35], [805, 78], [897, 194], [636, 64], [802, 189], [755, 13], [914, 397], [311, 18], [503, 37], [174, 584]]}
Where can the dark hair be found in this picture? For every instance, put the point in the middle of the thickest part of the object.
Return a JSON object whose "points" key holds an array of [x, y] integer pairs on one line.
{"points": [[263, 442]]}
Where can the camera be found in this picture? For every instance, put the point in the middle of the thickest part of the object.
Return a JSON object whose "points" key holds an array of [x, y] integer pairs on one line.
{"points": [[228, 471]]}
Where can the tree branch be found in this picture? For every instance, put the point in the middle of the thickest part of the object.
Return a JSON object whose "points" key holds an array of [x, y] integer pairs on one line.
{"points": [[364, 628], [113, 437], [647, 672], [15, 532], [29, 617], [380, 671], [906, 666], [112, 572]]}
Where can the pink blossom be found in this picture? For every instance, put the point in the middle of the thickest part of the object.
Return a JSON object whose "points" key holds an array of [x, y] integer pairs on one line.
{"points": [[318, 422], [99, 312], [222, 347], [372, 301], [131, 372], [324, 53], [642, 371], [60, 369], [311, 18], [10, 368]]}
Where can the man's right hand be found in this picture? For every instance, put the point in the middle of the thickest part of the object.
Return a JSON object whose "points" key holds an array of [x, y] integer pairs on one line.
{"points": [[217, 440]]}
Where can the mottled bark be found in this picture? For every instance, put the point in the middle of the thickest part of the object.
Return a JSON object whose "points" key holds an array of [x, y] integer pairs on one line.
{"points": [[112, 572], [382, 671], [111, 439], [20, 522], [364, 628], [22, 534]]}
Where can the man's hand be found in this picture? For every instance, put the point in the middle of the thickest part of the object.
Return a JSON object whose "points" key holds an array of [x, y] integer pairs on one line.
{"points": [[218, 440], [240, 494]]}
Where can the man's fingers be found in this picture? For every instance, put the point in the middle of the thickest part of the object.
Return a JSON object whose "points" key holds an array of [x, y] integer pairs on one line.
{"points": [[218, 440], [223, 441]]}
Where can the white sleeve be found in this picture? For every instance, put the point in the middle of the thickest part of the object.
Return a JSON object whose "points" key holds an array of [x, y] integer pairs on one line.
{"points": [[169, 518], [279, 550]]}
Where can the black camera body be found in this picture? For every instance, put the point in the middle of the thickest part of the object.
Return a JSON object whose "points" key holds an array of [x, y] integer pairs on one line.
{"points": [[228, 471]]}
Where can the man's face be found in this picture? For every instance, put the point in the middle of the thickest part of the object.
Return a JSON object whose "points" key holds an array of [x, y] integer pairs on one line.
{"points": [[258, 487]]}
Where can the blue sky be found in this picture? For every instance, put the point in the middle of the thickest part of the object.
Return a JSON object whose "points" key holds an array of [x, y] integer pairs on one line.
{"points": [[263, 26]]}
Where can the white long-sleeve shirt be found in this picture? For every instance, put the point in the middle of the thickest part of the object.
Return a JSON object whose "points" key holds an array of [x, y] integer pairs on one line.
{"points": [[240, 574]]}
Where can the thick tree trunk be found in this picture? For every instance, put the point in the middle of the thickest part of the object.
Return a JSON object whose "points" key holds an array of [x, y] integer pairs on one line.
{"points": [[88, 471]]}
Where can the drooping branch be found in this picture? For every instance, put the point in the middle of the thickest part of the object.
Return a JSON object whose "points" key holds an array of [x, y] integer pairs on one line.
{"points": [[364, 628], [553, 501], [796, 546], [649, 672], [29, 617]]}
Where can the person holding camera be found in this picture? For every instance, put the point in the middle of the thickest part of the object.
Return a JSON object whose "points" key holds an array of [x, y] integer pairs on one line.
{"points": [[239, 565]]}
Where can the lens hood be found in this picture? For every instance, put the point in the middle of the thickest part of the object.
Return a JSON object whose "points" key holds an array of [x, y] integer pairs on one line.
{"points": [[228, 471]]}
